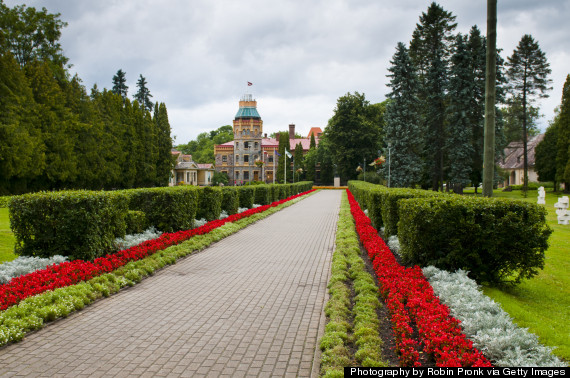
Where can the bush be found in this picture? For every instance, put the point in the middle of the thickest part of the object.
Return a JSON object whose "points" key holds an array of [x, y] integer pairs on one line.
{"points": [[136, 222], [230, 200], [496, 240], [168, 209], [4, 200], [274, 189], [262, 195], [245, 195], [210, 203], [79, 224]]}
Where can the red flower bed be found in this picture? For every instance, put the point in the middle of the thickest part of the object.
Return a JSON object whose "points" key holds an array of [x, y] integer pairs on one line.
{"points": [[410, 299], [72, 272]]}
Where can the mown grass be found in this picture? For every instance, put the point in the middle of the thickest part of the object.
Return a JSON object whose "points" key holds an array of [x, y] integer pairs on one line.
{"points": [[542, 304], [7, 239]]}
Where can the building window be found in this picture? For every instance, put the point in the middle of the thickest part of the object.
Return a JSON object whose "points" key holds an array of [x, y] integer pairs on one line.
{"points": [[246, 145], [256, 146], [187, 177], [237, 145], [224, 158], [246, 158], [237, 159], [237, 175], [246, 175], [271, 158]]}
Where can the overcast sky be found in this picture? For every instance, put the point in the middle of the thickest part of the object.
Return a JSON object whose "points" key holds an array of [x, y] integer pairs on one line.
{"points": [[301, 56]]}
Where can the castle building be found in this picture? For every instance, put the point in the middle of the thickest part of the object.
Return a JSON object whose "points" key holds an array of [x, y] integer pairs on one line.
{"points": [[252, 156]]}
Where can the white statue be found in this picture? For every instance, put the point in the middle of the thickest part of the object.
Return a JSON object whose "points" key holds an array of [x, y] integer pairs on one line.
{"points": [[541, 196], [562, 210]]}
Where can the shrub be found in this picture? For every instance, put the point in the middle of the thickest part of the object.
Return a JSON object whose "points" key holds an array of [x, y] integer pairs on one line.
{"points": [[167, 209], [230, 200], [136, 222], [4, 200], [245, 195], [496, 240], [210, 203], [274, 188], [261, 195], [81, 224]]}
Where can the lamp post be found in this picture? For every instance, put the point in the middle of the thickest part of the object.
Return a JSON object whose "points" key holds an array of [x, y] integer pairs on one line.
{"points": [[389, 150]]}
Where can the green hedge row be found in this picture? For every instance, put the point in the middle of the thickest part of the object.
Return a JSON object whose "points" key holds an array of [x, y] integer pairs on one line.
{"points": [[496, 240], [84, 224], [382, 202], [4, 200], [80, 224]]}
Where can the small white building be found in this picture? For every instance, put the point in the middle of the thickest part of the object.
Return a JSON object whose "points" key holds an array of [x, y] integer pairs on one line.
{"points": [[188, 172]]}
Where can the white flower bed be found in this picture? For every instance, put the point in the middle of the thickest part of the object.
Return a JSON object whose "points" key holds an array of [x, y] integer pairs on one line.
{"points": [[242, 209], [135, 239], [24, 265], [486, 324]]}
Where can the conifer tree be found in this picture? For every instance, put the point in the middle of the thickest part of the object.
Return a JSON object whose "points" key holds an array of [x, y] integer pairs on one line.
{"points": [[402, 127], [298, 160], [563, 143], [165, 161], [143, 94], [545, 153], [528, 72], [430, 50], [459, 142], [283, 144], [119, 84]]}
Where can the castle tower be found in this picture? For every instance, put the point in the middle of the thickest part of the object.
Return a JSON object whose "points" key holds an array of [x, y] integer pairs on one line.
{"points": [[248, 131]]}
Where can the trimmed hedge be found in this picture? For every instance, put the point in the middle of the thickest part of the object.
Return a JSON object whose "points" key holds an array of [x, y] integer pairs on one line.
{"points": [[4, 201], [136, 222], [230, 200], [168, 209], [209, 203], [496, 240], [262, 195], [245, 195], [76, 224]]}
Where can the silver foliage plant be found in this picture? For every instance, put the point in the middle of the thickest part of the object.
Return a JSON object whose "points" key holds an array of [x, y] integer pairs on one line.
{"points": [[24, 265], [135, 239], [486, 324]]}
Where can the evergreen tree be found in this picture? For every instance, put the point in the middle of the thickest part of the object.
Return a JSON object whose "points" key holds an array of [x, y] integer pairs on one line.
{"points": [[22, 152], [402, 128], [311, 164], [143, 94], [283, 145], [459, 143], [563, 143], [545, 153], [119, 84], [528, 72], [298, 160], [313, 143], [430, 50], [165, 162]]}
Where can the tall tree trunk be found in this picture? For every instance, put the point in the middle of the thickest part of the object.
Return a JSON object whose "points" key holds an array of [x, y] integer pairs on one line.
{"points": [[490, 81], [525, 140]]}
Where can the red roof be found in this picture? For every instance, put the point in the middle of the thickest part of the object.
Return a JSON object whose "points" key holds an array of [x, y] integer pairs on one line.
{"points": [[273, 143], [316, 131]]}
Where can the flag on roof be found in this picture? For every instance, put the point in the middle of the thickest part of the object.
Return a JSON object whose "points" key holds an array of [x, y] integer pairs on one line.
{"points": [[249, 83]]}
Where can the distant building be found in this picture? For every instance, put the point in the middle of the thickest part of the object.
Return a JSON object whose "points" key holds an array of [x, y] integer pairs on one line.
{"points": [[252, 156], [188, 172], [513, 162]]}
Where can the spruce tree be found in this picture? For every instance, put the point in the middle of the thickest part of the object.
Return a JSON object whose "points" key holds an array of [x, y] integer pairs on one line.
{"points": [[459, 142], [313, 143], [143, 94], [528, 72], [545, 153], [298, 160], [119, 84], [430, 50], [402, 127]]}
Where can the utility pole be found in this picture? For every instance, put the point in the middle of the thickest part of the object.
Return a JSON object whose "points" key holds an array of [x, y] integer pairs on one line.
{"points": [[490, 81]]}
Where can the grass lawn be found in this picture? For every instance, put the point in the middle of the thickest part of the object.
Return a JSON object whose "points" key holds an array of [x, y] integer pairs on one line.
{"points": [[542, 304], [6, 237]]}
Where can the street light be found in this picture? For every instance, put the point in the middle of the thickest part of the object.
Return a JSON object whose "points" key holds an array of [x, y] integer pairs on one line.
{"points": [[389, 148]]}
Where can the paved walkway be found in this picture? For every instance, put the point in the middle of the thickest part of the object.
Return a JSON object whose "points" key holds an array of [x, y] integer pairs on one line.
{"points": [[250, 305]]}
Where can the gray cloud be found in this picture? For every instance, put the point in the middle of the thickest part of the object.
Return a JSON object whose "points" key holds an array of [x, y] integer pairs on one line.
{"points": [[301, 55]]}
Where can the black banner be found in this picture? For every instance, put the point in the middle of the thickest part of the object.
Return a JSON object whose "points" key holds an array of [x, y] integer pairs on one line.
{"points": [[422, 372]]}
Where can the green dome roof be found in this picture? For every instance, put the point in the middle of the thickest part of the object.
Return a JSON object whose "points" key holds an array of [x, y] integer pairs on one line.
{"points": [[247, 112]]}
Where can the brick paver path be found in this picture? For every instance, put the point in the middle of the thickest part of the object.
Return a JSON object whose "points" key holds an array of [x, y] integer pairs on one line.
{"points": [[250, 305]]}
